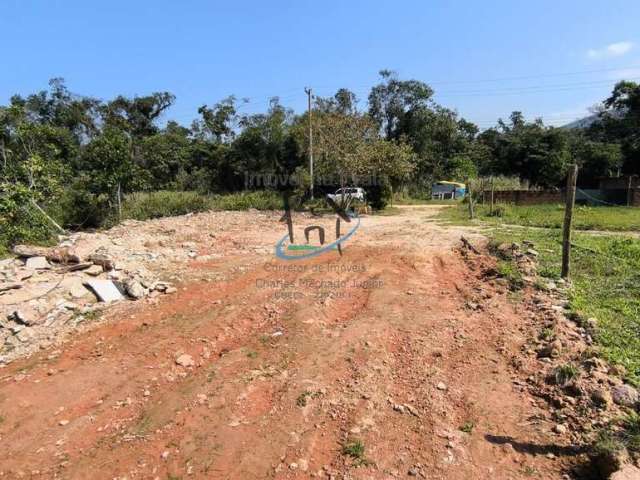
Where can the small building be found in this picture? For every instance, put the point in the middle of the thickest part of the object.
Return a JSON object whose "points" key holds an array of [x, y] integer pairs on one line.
{"points": [[444, 190], [619, 183]]}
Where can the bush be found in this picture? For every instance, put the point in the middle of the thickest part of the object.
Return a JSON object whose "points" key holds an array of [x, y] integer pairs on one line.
{"points": [[143, 206], [78, 209], [146, 205], [260, 200], [379, 195], [20, 222]]}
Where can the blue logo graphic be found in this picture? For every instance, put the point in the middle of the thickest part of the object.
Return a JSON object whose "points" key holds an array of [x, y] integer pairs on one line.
{"points": [[313, 250]]}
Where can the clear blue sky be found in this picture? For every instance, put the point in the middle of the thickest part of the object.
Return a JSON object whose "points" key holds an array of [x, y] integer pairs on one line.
{"points": [[203, 51]]}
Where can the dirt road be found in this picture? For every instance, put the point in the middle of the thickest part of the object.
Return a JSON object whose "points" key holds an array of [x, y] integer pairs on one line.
{"points": [[393, 360]]}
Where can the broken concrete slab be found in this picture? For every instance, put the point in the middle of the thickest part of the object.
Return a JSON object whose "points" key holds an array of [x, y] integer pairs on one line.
{"points": [[57, 254], [37, 263], [135, 289], [102, 260], [27, 251], [105, 290], [94, 270]]}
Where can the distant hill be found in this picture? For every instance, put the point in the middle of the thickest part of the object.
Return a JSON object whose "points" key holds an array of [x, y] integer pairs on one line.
{"points": [[586, 122], [581, 123]]}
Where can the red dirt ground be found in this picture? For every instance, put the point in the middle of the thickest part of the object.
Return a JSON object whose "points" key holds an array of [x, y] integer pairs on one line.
{"points": [[400, 366]]}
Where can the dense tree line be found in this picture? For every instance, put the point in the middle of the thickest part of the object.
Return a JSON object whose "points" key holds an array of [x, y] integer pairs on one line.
{"points": [[76, 156]]}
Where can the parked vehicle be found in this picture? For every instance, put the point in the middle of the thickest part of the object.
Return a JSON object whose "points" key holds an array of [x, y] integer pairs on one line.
{"points": [[444, 190], [344, 196]]}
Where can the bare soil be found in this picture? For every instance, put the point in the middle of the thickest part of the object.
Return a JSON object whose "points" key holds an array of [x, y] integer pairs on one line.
{"points": [[412, 358]]}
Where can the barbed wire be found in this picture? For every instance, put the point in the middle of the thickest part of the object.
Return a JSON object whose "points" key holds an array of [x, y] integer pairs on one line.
{"points": [[591, 197]]}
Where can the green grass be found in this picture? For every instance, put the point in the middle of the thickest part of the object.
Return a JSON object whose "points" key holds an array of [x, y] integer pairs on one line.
{"points": [[467, 427], [146, 205], [355, 449], [563, 374], [605, 273], [620, 219]]}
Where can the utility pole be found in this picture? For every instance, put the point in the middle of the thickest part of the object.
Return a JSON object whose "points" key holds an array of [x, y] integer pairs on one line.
{"points": [[308, 92], [570, 200]]}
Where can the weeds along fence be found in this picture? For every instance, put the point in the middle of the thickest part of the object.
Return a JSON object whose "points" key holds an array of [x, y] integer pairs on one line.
{"points": [[612, 197]]}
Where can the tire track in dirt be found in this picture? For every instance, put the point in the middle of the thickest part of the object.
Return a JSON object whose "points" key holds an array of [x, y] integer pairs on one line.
{"points": [[259, 405]]}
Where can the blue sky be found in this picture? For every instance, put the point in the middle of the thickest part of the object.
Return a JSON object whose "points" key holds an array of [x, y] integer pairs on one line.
{"points": [[546, 58]]}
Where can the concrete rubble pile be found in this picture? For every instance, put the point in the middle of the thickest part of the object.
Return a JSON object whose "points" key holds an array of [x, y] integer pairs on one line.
{"points": [[47, 293], [46, 290]]}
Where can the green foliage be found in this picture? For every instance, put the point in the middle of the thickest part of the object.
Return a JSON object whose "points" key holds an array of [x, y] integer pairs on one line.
{"points": [[552, 216], [631, 431], [77, 157], [260, 200], [467, 427], [146, 205], [20, 222], [529, 150], [143, 205], [301, 401], [605, 273], [563, 374], [354, 448], [619, 122]]}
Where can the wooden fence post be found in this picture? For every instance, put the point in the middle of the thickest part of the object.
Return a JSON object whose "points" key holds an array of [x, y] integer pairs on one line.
{"points": [[570, 199], [470, 199], [491, 199]]}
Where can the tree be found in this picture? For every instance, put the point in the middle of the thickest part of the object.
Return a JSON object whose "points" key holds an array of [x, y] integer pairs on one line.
{"points": [[343, 102], [107, 166], [217, 122], [136, 116], [619, 122], [530, 151], [393, 99]]}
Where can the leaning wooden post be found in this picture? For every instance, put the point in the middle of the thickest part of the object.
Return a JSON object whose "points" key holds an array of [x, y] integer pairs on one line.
{"points": [[491, 199], [470, 199], [119, 203], [570, 200]]}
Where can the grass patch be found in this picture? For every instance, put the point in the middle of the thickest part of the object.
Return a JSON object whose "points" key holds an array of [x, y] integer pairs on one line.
{"points": [[508, 270], [301, 401], [355, 449], [467, 427], [563, 374], [547, 334], [618, 219], [147, 205], [605, 272]]}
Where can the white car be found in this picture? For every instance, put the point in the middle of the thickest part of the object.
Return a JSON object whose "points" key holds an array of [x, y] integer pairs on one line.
{"points": [[344, 196]]}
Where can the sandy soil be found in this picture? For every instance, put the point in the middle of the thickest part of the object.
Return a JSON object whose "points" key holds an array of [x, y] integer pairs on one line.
{"points": [[401, 344]]}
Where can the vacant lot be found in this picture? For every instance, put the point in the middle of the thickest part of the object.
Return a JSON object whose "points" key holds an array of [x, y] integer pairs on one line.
{"points": [[399, 358]]}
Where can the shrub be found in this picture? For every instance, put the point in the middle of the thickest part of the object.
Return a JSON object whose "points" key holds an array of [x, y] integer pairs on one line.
{"points": [[19, 220], [354, 448], [563, 374], [143, 206], [260, 200], [379, 195]]}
